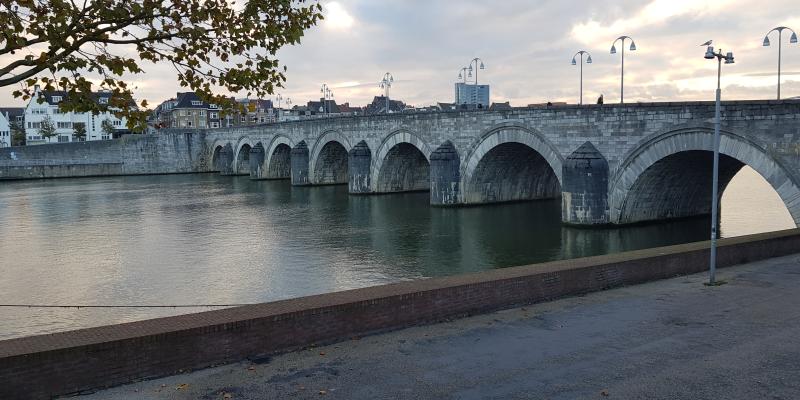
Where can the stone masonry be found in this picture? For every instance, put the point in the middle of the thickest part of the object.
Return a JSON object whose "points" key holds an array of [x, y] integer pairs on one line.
{"points": [[620, 163]]}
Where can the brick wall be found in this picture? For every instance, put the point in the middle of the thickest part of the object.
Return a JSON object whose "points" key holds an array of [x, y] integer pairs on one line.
{"points": [[39, 367]]}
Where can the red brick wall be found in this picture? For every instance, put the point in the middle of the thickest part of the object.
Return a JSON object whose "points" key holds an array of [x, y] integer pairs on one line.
{"points": [[47, 365]]}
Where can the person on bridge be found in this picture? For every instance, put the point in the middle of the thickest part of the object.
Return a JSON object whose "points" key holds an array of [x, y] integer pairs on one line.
{"points": [[600, 99]]}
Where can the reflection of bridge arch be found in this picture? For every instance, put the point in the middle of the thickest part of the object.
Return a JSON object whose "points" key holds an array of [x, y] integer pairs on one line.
{"points": [[669, 175], [401, 164], [328, 158], [511, 163]]}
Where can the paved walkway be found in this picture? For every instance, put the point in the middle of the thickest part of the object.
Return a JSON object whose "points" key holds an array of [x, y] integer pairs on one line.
{"points": [[672, 339]]}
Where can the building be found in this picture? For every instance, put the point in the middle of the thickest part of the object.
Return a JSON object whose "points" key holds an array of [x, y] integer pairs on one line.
{"points": [[187, 110], [44, 107], [501, 106], [15, 118], [475, 95], [5, 131], [378, 106], [257, 111], [323, 107]]}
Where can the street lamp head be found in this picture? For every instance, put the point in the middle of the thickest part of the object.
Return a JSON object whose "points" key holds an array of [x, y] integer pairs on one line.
{"points": [[729, 58], [710, 53], [469, 75], [470, 68], [482, 67], [766, 41], [633, 46], [613, 49], [573, 61], [793, 38], [459, 76], [589, 60]]}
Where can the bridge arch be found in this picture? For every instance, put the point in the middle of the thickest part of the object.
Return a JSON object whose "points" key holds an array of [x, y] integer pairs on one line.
{"points": [[277, 158], [669, 175], [222, 157], [401, 164], [329, 163], [511, 163], [241, 161]]}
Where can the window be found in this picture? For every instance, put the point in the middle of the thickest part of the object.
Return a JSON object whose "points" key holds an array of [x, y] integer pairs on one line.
{"points": [[197, 103], [104, 137], [261, 119], [213, 115], [64, 125], [202, 113], [57, 111], [201, 123], [215, 124], [189, 124], [244, 119], [116, 123], [214, 106], [56, 99], [103, 100], [63, 138], [39, 111], [34, 125]]}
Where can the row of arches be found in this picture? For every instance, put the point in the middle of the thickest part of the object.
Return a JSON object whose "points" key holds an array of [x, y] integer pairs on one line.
{"points": [[666, 177]]}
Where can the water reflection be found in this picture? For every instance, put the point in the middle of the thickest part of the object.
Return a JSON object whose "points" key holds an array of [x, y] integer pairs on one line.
{"points": [[208, 239]]}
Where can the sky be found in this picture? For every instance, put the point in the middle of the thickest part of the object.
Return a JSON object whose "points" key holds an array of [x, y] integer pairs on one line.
{"points": [[527, 47]]}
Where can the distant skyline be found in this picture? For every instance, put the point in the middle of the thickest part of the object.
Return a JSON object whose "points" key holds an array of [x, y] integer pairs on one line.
{"points": [[527, 47]]}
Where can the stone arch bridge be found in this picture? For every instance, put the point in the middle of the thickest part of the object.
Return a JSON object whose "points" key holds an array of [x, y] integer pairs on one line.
{"points": [[608, 163]]}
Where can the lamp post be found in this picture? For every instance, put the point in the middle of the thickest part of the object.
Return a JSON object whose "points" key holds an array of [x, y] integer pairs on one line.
{"points": [[385, 84], [588, 61], [278, 98], [326, 94], [478, 65], [462, 74], [710, 55], [792, 39], [622, 73]]}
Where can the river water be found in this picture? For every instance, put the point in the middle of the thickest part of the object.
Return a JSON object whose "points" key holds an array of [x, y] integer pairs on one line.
{"points": [[207, 239]]}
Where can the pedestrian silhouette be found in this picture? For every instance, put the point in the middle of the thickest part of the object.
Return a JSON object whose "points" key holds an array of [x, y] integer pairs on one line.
{"points": [[600, 99]]}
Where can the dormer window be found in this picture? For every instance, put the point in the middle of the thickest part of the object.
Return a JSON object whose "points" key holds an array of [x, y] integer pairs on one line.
{"points": [[56, 99], [197, 103], [103, 100]]}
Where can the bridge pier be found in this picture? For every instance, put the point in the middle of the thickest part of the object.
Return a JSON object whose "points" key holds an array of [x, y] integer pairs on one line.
{"points": [[225, 161], [584, 190], [445, 175], [359, 168], [257, 162], [299, 162]]}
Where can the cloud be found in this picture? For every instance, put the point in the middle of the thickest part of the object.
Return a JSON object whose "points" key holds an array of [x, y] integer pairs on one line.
{"points": [[527, 47]]}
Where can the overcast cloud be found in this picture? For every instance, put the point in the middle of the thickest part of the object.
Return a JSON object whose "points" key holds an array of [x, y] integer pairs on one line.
{"points": [[527, 47]]}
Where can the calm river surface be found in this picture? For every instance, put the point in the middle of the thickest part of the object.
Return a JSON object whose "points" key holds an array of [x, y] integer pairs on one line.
{"points": [[207, 239]]}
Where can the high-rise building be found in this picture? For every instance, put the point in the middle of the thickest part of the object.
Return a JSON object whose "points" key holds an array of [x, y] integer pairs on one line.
{"points": [[476, 96]]}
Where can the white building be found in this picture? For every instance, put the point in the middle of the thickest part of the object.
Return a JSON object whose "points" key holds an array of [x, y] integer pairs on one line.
{"points": [[472, 95], [5, 131], [66, 122]]}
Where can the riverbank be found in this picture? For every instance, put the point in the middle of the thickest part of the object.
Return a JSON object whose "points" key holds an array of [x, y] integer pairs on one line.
{"points": [[42, 366], [671, 339]]}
